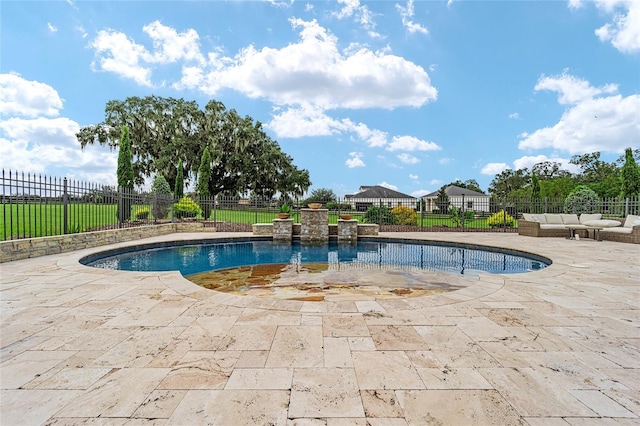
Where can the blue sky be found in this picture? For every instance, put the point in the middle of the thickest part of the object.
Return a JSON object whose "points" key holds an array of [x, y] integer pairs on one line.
{"points": [[405, 94]]}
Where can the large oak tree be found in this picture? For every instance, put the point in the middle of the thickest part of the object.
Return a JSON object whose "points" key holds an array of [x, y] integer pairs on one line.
{"points": [[166, 131]]}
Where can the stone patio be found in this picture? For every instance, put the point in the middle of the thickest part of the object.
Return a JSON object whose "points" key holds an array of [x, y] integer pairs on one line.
{"points": [[560, 346]]}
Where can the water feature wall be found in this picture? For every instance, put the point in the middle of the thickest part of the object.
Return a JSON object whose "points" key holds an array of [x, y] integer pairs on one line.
{"points": [[314, 225]]}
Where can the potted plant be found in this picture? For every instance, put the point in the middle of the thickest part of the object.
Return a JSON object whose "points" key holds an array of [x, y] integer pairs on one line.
{"points": [[285, 210], [315, 206]]}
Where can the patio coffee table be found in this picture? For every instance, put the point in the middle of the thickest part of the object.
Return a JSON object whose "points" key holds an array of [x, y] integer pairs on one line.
{"points": [[572, 231], [596, 232]]}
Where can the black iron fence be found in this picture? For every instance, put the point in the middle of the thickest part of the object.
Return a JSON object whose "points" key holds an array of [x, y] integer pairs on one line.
{"points": [[38, 206]]}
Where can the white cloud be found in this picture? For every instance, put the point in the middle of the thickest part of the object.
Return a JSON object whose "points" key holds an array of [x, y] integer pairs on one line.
{"points": [[407, 159], [355, 160], [388, 185], [406, 13], [607, 123], [494, 168], [52, 28], [572, 90], [313, 70], [360, 13], [420, 193], [530, 161], [117, 54], [82, 31], [373, 137], [575, 4], [624, 31], [27, 143], [348, 8], [33, 143], [436, 182], [171, 46], [411, 143], [445, 160], [305, 121], [514, 116], [27, 97], [412, 176]]}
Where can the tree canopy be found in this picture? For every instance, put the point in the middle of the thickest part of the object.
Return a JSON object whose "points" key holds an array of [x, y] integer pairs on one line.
{"points": [[167, 131], [605, 179]]}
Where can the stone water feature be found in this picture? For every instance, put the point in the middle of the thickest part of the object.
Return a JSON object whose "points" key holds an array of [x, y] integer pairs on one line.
{"points": [[314, 228], [314, 225]]}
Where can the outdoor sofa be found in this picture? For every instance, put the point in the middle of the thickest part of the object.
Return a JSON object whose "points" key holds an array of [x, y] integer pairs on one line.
{"points": [[629, 232], [557, 225]]}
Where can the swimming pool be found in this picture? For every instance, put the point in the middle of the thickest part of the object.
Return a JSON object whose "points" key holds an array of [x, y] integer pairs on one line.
{"points": [[372, 268], [194, 257]]}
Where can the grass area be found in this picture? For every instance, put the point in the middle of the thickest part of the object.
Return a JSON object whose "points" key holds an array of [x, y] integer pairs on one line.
{"points": [[38, 220]]}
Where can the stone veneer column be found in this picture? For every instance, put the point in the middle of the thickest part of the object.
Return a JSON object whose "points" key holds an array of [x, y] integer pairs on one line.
{"points": [[347, 230], [314, 225], [282, 229]]}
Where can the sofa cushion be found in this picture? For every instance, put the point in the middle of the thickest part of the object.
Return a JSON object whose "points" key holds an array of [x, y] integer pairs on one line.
{"points": [[553, 219], [602, 223], [617, 230], [540, 218], [527, 217], [570, 219], [585, 217], [552, 226], [631, 221]]}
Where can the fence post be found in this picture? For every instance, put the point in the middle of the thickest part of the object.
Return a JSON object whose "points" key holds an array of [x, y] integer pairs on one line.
{"points": [[626, 207], [215, 202], [65, 207], [504, 214], [120, 207], [462, 212]]}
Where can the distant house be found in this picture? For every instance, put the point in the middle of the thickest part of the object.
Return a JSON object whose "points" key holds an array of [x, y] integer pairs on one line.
{"points": [[377, 196], [459, 197]]}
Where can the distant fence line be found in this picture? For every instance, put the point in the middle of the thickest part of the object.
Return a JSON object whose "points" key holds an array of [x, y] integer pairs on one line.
{"points": [[37, 206]]}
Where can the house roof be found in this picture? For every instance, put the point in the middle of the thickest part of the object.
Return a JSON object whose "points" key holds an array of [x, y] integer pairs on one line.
{"points": [[456, 191], [379, 192]]}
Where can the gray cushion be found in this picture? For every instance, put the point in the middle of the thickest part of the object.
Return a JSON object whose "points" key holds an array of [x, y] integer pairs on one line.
{"points": [[602, 223], [553, 219], [570, 219], [618, 230], [631, 221], [585, 217]]}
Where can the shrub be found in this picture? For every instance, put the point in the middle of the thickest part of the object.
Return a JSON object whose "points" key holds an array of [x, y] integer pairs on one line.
{"points": [[186, 207], [405, 215], [162, 198], [501, 219], [332, 205], [455, 214], [142, 213], [581, 200], [380, 215]]}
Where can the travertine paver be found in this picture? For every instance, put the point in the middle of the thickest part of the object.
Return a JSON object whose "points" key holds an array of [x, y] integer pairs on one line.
{"points": [[559, 346]]}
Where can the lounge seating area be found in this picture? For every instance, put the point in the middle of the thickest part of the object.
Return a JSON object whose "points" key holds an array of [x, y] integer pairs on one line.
{"points": [[585, 225]]}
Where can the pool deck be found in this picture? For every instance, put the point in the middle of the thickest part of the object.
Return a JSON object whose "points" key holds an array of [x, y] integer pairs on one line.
{"points": [[560, 346]]}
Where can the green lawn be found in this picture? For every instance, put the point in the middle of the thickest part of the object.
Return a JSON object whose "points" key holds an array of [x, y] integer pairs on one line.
{"points": [[37, 220]]}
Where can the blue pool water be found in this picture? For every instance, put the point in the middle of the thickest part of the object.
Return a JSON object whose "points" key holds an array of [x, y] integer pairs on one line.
{"points": [[196, 257]]}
